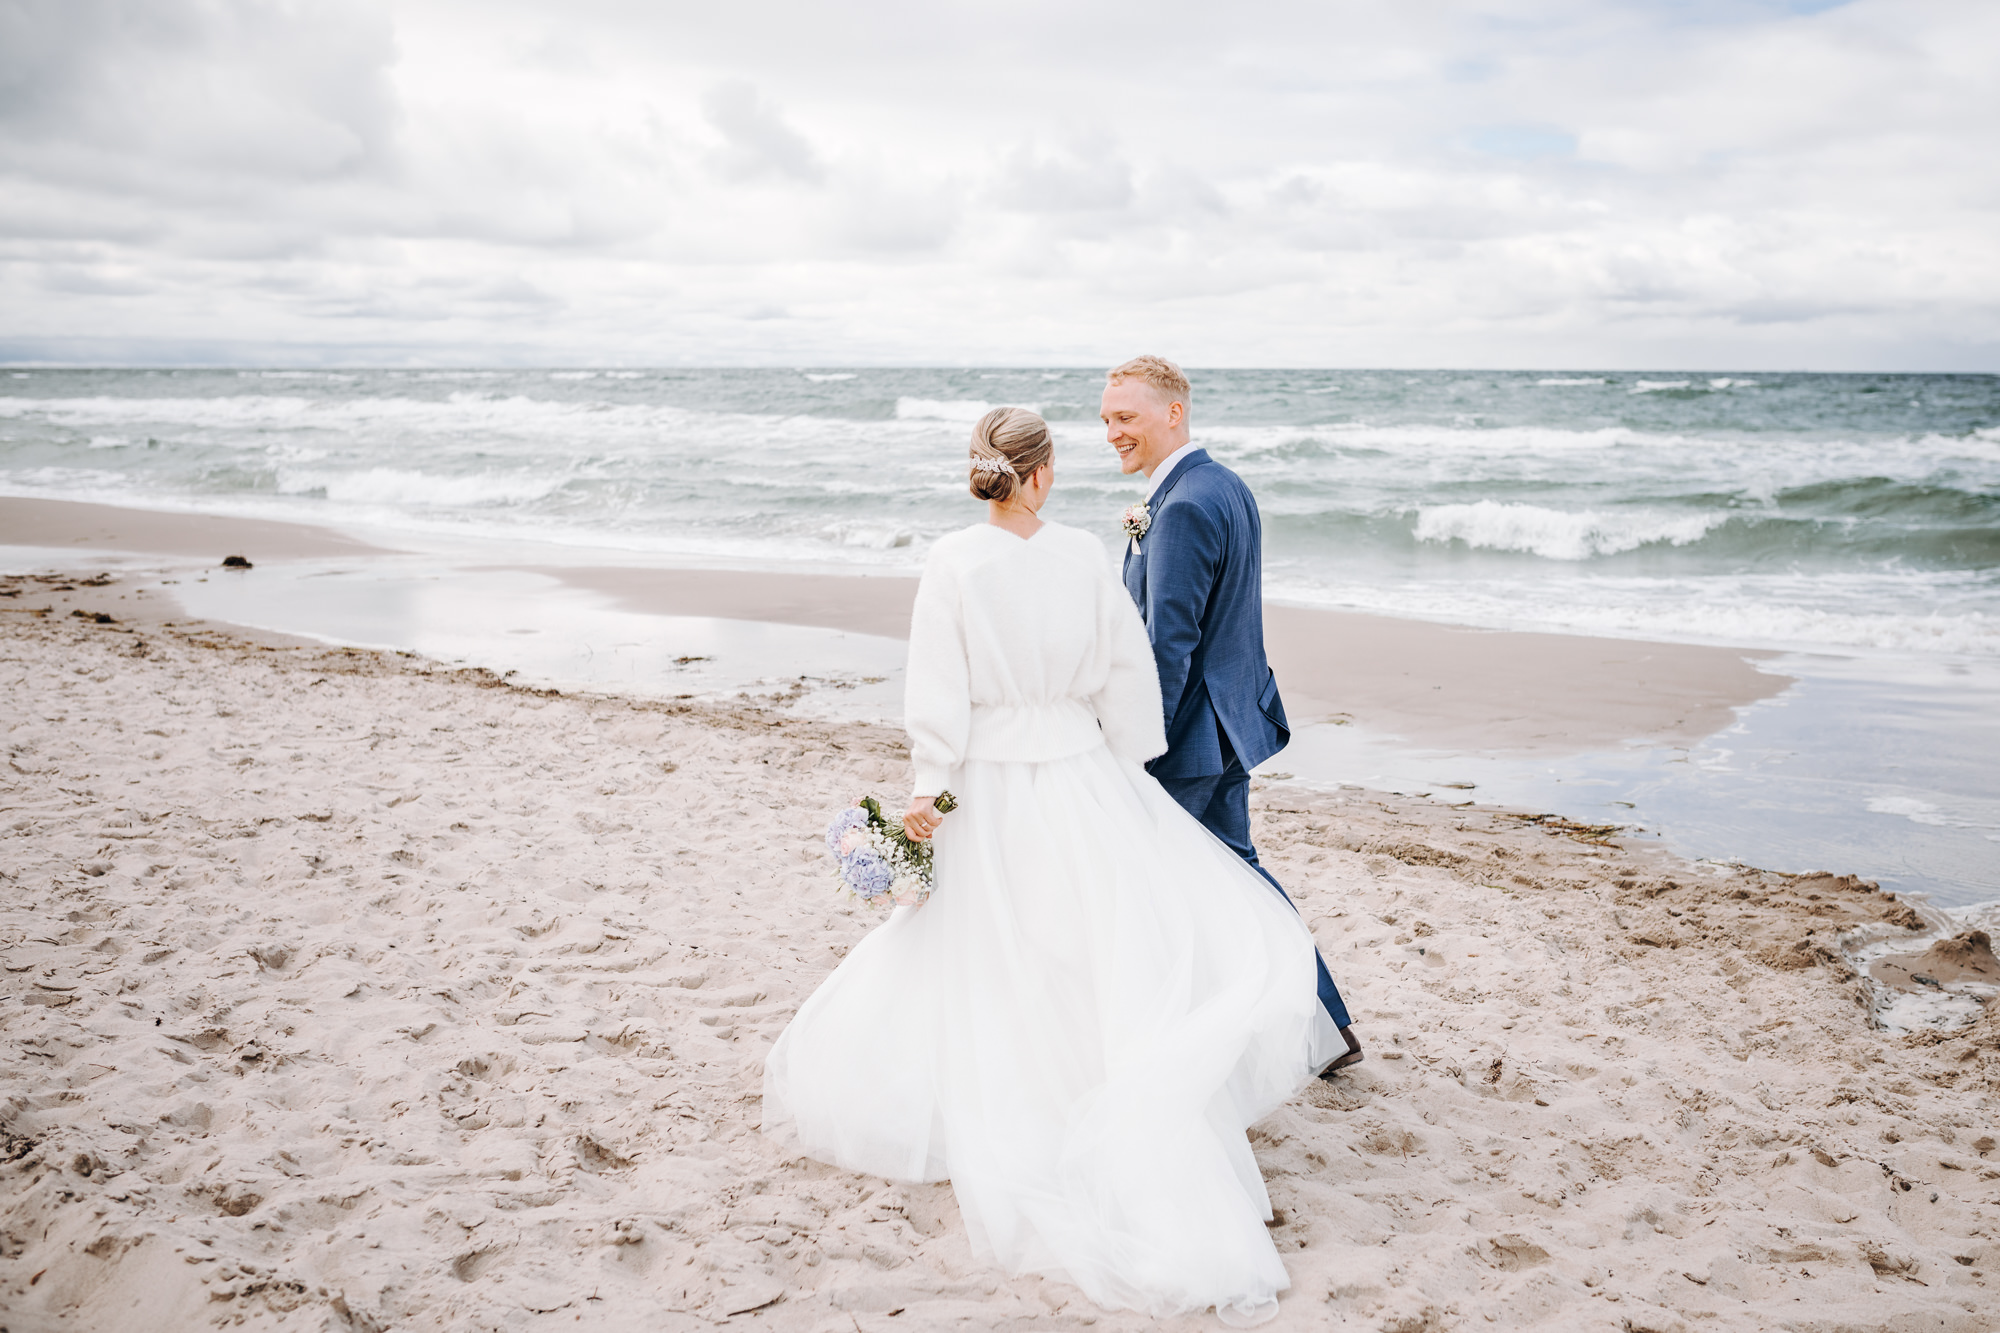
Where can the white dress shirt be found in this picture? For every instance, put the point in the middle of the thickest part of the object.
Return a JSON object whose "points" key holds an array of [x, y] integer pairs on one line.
{"points": [[1166, 469], [1159, 479]]}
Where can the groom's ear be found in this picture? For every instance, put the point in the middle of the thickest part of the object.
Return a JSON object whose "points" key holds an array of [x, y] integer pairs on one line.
{"points": [[1176, 413]]}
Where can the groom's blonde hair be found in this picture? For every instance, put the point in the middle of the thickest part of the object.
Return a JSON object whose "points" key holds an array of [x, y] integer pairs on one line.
{"points": [[1168, 380]]}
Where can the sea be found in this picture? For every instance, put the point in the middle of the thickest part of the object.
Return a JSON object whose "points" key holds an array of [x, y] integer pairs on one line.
{"points": [[1850, 523]]}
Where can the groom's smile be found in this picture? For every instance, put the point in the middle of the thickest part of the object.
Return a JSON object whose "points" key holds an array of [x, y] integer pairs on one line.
{"points": [[1142, 427]]}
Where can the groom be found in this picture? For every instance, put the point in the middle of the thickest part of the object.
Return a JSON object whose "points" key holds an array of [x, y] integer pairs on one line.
{"points": [[1196, 571]]}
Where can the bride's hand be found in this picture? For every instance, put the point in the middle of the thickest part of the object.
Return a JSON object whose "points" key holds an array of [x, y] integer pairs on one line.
{"points": [[921, 819]]}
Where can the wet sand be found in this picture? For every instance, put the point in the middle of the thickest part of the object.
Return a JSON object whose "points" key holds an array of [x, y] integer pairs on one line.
{"points": [[72, 525], [1439, 686], [1436, 685]]}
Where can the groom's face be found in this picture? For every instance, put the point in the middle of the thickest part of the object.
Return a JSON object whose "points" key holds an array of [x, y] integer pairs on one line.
{"points": [[1142, 427]]}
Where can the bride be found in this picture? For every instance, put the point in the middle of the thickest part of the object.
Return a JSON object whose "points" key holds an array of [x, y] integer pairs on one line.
{"points": [[1099, 998]]}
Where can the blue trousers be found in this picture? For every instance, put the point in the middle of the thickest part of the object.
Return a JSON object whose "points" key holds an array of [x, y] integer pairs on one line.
{"points": [[1222, 803]]}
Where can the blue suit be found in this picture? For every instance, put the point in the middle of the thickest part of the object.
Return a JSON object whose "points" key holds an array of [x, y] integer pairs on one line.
{"points": [[1198, 578]]}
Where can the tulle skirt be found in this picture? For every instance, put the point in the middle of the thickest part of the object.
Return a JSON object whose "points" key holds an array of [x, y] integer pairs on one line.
{"points": [[1076, 1031]]}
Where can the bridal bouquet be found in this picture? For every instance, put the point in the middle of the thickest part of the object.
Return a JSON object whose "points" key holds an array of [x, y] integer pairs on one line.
{"points": [[878, 862]]}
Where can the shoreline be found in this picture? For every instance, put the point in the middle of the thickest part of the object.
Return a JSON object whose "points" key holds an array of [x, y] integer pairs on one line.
{"points": [[356, 985], [1420, 682]]}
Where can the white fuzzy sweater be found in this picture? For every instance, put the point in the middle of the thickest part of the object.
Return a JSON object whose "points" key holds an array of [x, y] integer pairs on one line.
{"points": [[1025, 650]]}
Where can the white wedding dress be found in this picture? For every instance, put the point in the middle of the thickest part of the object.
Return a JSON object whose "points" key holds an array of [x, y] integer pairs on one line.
{"points": [[1099, 998]]}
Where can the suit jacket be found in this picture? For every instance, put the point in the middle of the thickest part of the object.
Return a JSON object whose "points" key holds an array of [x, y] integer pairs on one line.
{"points": [[1198, 577]]}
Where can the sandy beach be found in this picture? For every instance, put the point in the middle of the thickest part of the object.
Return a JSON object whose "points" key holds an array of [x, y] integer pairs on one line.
{"points": [[347, 991]]}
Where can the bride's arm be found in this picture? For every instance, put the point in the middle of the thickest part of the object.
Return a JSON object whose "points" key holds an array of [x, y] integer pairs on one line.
{"points": [[937, 688], [1128, 705]]}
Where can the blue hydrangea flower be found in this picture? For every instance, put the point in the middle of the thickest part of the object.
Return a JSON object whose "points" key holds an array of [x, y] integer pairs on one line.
{"points": [[852, 817], [867, 874]]}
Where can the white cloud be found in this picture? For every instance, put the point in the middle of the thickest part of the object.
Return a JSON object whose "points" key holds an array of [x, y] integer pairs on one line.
{"points": [[756, 140], [1541, 182]]}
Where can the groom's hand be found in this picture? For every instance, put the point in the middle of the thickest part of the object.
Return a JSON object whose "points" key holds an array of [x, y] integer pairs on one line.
{"points": [[921, 819]]}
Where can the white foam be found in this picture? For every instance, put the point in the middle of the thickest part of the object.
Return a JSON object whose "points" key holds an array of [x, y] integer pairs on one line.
{"points": [[1564, 384], [1727, 383], [1769, 611], [1948, 811], [1661, 386], [396, 487], [572, 374], [459, 414], [829, 378], [869, 536], [1917, 812], [1486, 443], [1555, 534], [934, 409]]}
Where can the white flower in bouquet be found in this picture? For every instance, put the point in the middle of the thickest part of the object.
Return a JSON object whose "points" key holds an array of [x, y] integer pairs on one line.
{"points": [[877, 862]]}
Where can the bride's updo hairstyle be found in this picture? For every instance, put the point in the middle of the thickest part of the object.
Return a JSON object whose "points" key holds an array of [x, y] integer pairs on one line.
{"points": [[1008, 444]]}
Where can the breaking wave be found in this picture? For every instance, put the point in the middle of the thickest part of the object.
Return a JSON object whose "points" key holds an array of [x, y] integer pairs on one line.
{"points": [[1555, 534]]}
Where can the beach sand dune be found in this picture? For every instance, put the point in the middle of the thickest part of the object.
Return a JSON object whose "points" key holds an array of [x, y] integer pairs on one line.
{"points": [[344, 991]]}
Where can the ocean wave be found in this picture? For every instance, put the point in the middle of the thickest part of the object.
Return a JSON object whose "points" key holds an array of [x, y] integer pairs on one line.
{"points": [[1415, 440], [59, 483], [1661, 386], [422, 490], [934, 409], [870, 536], [1721, 461], [1749, 612], [1565, 494], [458, 413], [1346, 456], [663, 430], [1555, 534], [1569, 383]]}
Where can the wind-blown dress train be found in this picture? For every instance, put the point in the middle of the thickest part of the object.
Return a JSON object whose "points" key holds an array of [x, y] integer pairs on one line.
{"points": [[1098, 999]]}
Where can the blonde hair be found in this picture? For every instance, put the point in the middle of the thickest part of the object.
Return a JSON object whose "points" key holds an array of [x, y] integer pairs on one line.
{"points": [[1168, 380], [1008, 444]]}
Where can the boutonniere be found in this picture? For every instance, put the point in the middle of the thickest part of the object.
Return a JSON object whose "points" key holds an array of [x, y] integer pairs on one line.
{"points": [[1135, 520]]}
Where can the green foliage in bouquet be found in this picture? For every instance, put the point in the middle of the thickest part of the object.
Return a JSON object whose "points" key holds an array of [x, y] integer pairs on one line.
{"points": [[918, 854]]}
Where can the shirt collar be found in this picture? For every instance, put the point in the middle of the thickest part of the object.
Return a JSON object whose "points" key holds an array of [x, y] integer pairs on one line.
{"points": [[1166, 469]]}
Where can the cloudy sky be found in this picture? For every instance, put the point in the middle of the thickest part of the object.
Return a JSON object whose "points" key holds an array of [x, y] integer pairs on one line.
{"points": [[1517, 183]]}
